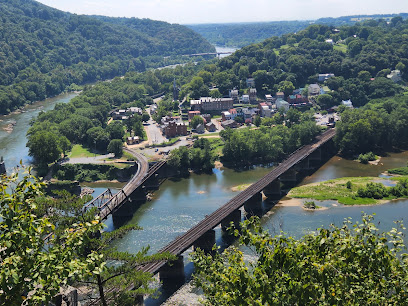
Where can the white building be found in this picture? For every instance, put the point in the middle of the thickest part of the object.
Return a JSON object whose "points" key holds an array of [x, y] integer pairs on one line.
{"points": [[282, 104]]}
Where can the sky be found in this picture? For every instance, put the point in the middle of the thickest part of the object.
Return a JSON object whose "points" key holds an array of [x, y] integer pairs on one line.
{"points": [[223, 11]]}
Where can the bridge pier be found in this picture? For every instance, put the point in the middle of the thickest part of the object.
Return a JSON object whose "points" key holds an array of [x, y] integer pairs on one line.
{"points": [[273, 190], [254, 204], [152, 183], [315, 157], [303, 165], [205, 242], [172, 270], [124, 213], [289, 177], [234, 217]]}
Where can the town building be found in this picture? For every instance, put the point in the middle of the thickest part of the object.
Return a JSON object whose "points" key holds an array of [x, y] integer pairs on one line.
{"points": [[206, 117], [229, 123], [173, 126], [245, 99], [210, 127], [233, 94], [132, 140], [226, 115], [280, 95], [282, 104], [200, 129], [191, 114], [205, 104]]}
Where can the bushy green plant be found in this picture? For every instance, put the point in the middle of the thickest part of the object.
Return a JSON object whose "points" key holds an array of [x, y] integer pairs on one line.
{"points": [[354, 264]]}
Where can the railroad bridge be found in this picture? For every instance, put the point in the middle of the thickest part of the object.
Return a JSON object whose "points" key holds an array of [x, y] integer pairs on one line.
{"points": [[202, 235], [125, 202]]}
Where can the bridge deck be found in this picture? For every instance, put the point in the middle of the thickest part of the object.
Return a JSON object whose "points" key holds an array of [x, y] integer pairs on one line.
{"points": [[183, 242]]}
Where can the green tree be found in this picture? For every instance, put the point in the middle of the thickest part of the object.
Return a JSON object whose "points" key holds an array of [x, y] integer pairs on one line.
{"points": [[45, 147], [195, 121], [116, 147], [257, 120], [145, 117], [286, 87], [28, 262], [333, 266], [115, 130], [325, 101]]}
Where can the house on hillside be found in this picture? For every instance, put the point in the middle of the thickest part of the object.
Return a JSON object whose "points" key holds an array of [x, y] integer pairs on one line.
{"points": [[395, 76], [280, 95], [245, 99], [233, 94], [313, 90], [210, 127], [282, 104], [252, 95], [132, 140], [200, 129], [250, 82], [324, 76], [229, 123]]}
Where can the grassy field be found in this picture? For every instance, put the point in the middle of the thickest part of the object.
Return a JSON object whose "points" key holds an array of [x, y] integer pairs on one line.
{"points": [[80, 151], [336, 190], [340, 47]]}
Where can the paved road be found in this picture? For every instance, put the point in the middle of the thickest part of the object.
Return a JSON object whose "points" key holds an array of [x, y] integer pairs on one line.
{"points": [[154, 134]]}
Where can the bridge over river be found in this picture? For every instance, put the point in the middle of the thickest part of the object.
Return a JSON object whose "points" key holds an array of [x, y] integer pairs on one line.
{"points": [[120, 204], [202, 235]]}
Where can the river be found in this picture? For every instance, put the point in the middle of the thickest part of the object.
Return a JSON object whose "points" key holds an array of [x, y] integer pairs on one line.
{"points": [[181, 203], [13, 144]]}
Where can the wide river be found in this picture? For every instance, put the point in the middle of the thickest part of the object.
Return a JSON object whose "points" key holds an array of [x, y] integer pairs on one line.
{"points": [[180, 204]]}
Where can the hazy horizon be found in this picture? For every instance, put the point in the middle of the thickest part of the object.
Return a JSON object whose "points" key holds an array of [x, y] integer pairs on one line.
{"points": [[228, 11]]}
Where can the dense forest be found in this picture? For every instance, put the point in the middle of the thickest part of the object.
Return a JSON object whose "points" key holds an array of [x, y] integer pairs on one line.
{"points": [[360, 56], [379, 126], [44, 51], [242, 34]]}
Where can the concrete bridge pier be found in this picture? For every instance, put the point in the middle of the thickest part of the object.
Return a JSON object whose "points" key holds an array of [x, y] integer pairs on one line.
{"points": [[205, 242], [273, 190], [289, 178], [172, 270], [152, 183], [138, 195], [315, 157], [124, 213], [303, 165], [254, 204], [234, 217]]}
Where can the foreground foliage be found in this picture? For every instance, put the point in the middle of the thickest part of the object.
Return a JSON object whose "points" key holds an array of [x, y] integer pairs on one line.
{"points": [[33, 270], [355, 264]]}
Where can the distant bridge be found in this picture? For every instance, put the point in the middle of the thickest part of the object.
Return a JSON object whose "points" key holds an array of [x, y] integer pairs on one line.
{"points": [[202, 235], [209, 53]]}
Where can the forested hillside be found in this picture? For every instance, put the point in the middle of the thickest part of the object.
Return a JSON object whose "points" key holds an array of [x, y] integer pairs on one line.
{"points": [[44, 50], [243, 34], [360, 56]]}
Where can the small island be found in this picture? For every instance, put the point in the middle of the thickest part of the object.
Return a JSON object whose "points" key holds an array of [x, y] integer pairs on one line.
{"points": [[354, 190]]}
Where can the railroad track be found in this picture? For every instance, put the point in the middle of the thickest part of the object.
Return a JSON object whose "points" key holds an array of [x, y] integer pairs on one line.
{"points": [[183, 242]]}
